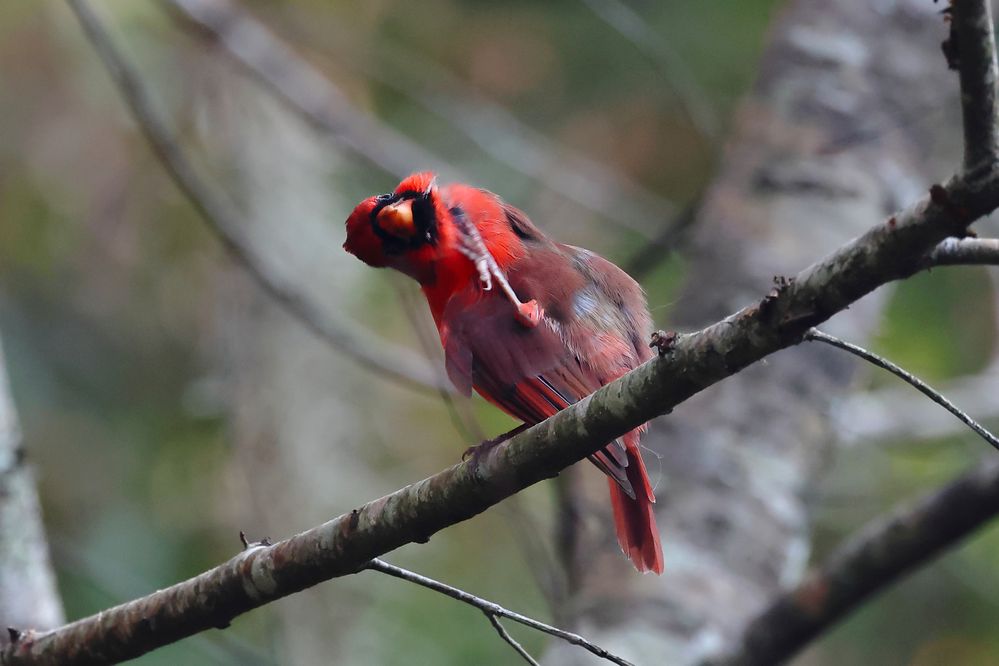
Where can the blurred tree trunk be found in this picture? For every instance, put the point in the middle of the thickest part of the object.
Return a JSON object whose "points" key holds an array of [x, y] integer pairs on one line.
{"points": [[841, 129], [28, 596]]}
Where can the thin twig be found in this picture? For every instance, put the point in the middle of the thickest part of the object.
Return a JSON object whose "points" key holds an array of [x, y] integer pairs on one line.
{"points": [[505, 635], [873, 558], [224, 220], [974, 54], [921, 386], [491, 608]]}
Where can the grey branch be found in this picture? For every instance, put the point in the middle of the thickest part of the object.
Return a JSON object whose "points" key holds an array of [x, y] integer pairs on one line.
{"points": [[505, 635], [975, 56], [28, 596], [224, 221], [871, 560], [897, 415], [966, 251], [908, 377], [493, 610], [346, 544]]}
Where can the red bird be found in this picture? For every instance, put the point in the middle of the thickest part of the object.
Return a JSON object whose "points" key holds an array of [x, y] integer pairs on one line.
{"points": [[531, 324]]}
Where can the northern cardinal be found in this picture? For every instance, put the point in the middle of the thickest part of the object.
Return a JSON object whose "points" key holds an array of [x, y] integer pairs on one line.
{"points": [[531, 324]]}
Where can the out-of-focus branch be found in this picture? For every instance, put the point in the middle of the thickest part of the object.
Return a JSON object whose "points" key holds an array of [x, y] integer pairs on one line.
{"points": [[304, 88], [642, 262], [493, 610], [686, 365], [966, 252], [693, 100], [908, 377], [875, 557], [974, 55], [309, 93], [224, 221], [28, 596]]}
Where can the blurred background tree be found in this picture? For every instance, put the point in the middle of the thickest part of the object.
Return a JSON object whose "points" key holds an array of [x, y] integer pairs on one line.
{"points": [[167, 403]]}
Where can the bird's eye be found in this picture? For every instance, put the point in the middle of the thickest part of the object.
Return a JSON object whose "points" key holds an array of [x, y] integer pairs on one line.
{"points": [[384, 198]]}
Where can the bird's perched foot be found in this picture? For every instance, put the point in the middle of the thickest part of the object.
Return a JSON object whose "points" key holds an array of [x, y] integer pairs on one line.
{"points": [[664, 341], [529, 314]]}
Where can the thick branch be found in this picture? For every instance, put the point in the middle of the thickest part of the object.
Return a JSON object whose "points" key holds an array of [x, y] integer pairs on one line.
{"points": [[225, 221], [28, 595], [342, 546], [975, 56], [876, 556]]}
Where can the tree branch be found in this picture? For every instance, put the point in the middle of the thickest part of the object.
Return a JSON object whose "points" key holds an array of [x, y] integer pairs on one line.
{"points": [[965, 252], [871, 560], [493, 610], [974, 54], [908, 377], [263, 573], [28, 595], [223, 220], [505, 635], [345, 544]]}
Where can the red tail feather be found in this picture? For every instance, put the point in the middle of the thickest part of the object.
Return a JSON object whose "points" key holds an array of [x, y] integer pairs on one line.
{"points": [[634, 519]]}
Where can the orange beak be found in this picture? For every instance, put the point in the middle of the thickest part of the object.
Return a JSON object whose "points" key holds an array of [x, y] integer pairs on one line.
{"points": [[397, 219]]}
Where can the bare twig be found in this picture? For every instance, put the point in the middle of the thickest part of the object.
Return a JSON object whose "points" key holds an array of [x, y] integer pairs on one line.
{"points": [[966, 252], [872, 559], [974, 54], [493, 610], [897, 414], [224, 220], [916, 382], [693, 100], [505, 635], [305, 90]]}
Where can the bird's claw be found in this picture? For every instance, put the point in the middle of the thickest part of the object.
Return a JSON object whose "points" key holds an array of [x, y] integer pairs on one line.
{"points": [[529, 314], [664, 341]]}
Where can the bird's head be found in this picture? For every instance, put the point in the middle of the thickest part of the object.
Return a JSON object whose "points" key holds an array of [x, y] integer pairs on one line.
{"points": [[401, 229]]}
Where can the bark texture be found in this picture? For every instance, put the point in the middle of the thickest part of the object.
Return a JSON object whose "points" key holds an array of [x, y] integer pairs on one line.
{"points": [[28, 595], [842, 127]]}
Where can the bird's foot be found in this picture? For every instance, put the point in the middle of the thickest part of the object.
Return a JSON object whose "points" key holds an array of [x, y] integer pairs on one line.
{"points": [[529, 314], [664, 341]]}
